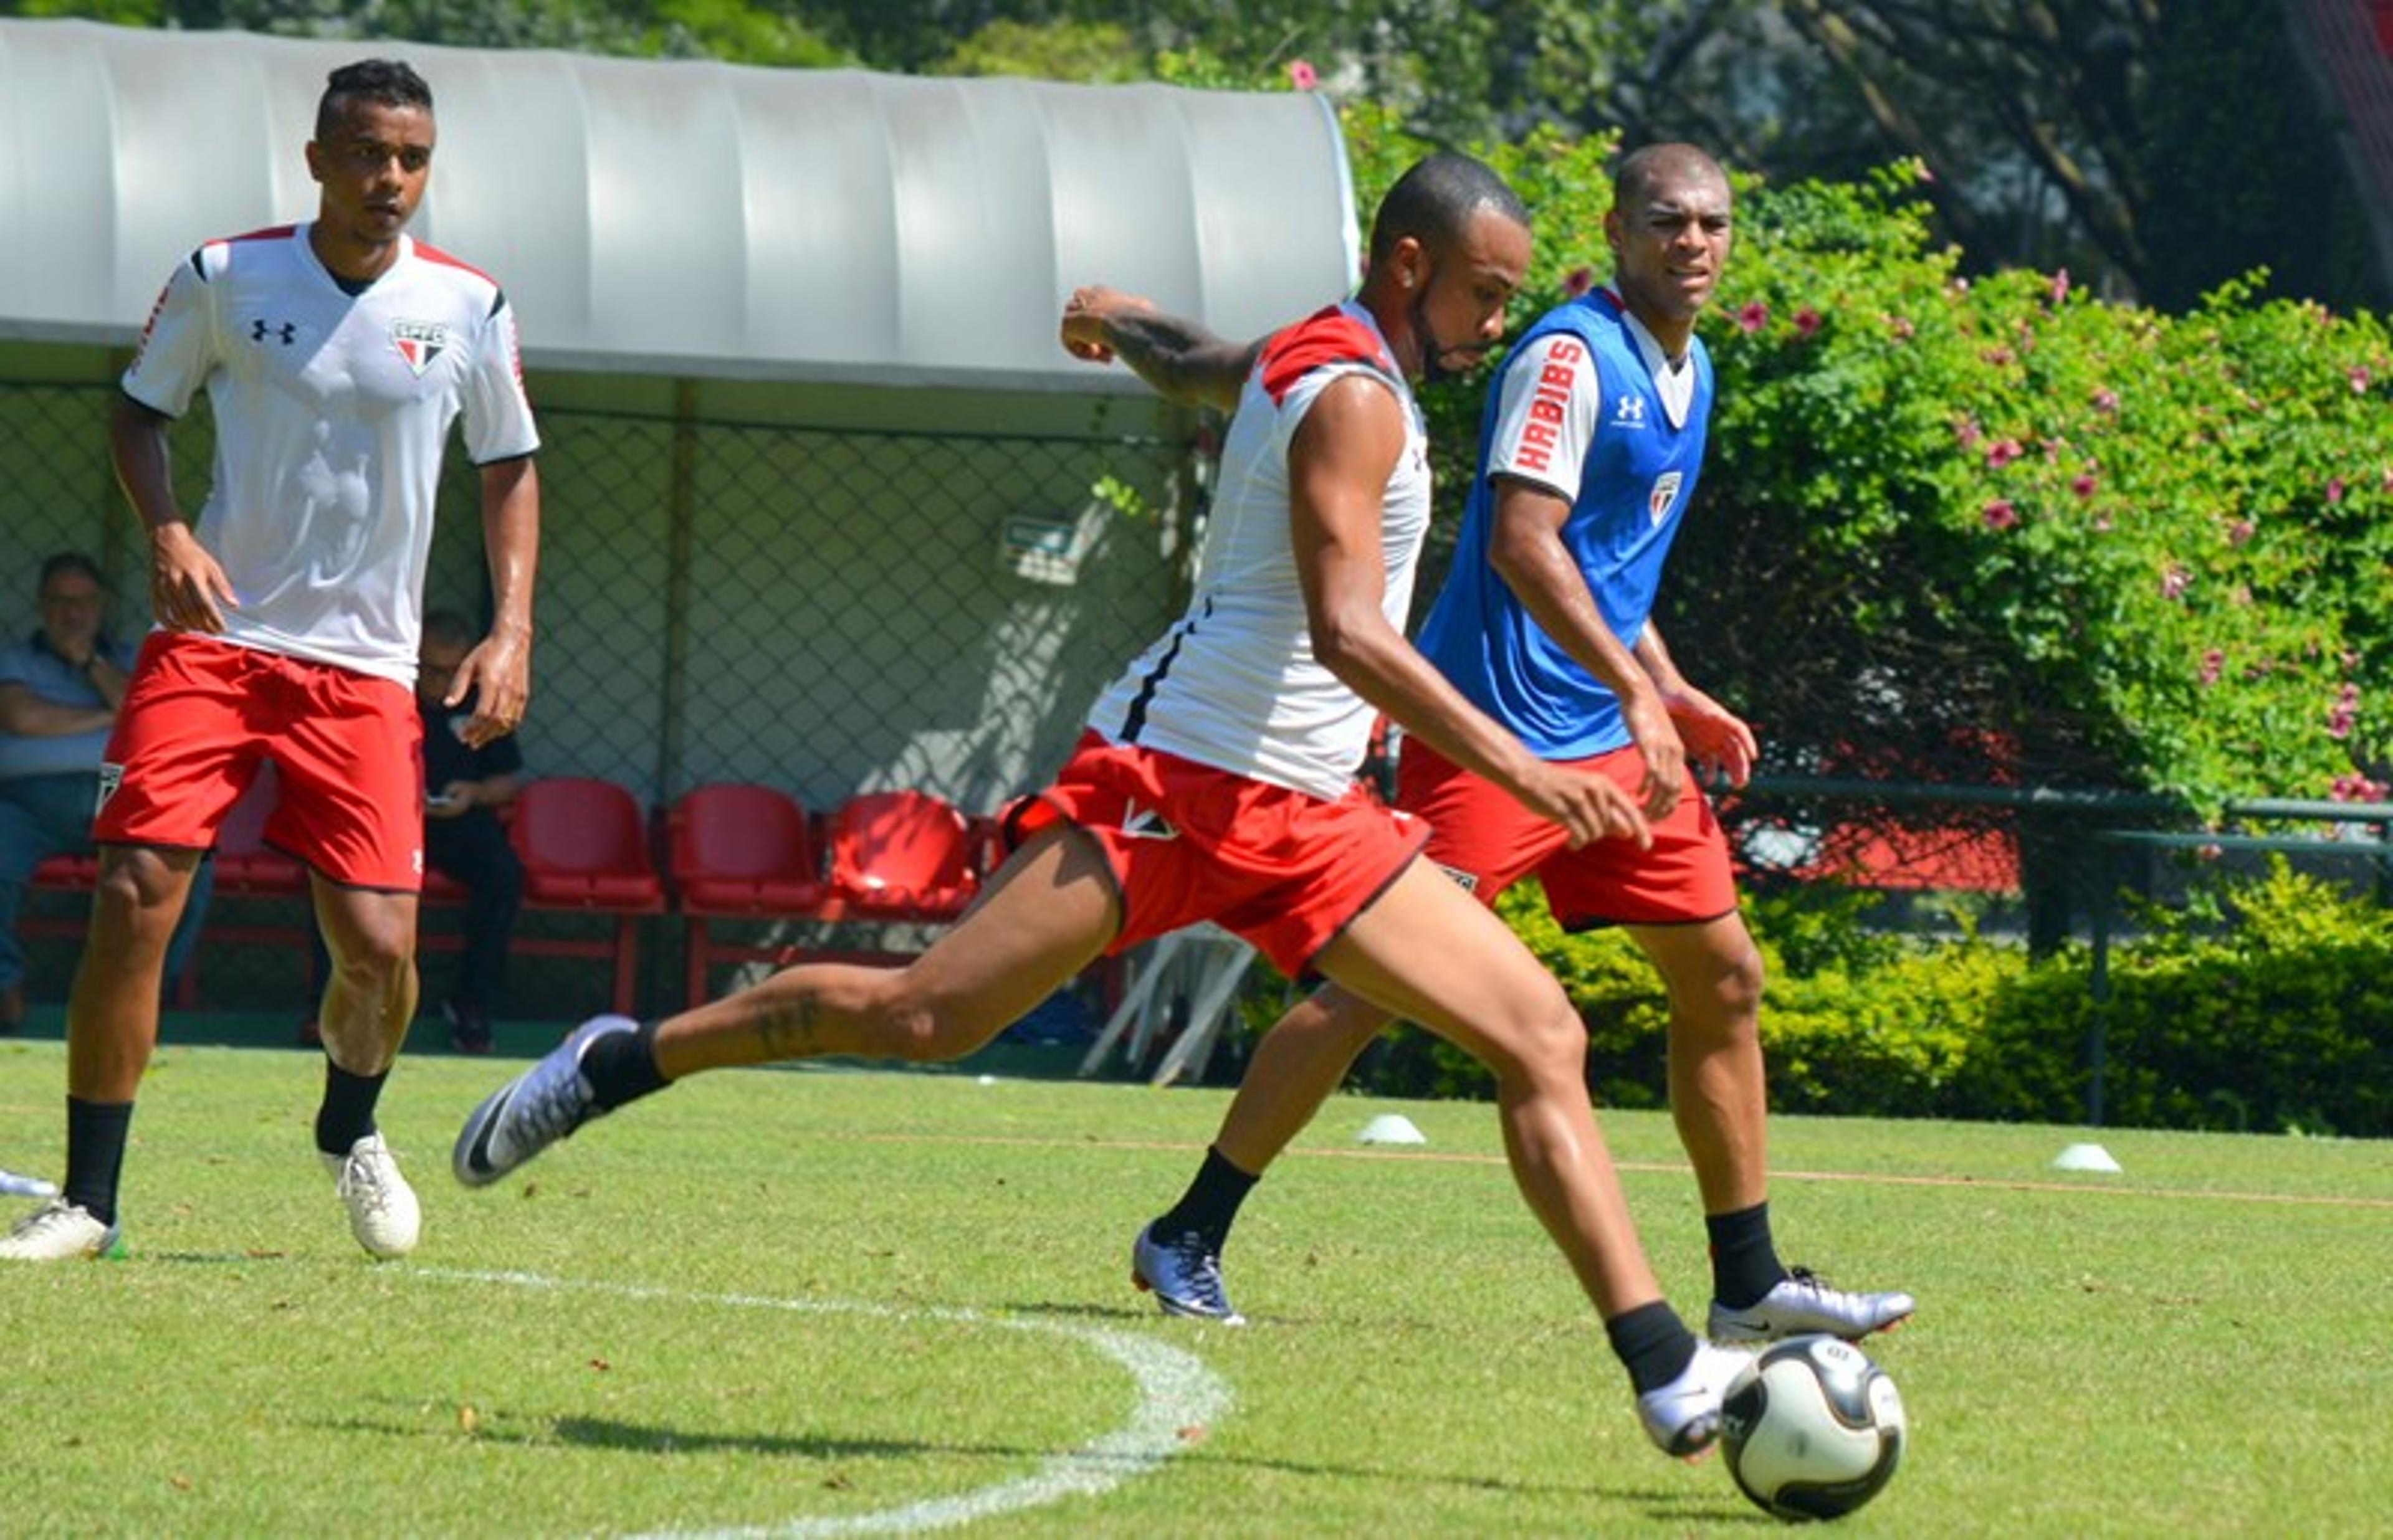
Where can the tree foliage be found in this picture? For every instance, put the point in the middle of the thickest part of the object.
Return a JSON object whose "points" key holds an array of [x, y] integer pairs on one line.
{"points": [[2160, 147]]}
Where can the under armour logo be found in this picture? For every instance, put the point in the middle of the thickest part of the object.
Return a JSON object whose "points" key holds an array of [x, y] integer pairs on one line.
{"points": [[1632, 410], [259, 331]]}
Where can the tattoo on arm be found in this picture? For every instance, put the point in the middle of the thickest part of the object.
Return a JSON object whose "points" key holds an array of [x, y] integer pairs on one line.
{"points": [[1183, 361]]}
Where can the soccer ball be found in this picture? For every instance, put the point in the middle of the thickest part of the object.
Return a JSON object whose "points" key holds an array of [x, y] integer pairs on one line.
{"points": [[1811, 1429]]}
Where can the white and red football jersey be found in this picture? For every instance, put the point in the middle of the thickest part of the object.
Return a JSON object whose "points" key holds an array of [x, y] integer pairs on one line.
{"points": [[1233, 683], [332, 411]]}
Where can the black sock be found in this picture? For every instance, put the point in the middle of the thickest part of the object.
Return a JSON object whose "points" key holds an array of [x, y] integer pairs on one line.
{"points": [[621, 1067], [96, 1135], [1744, 1264], [1210, 1205], [1653, 1344], [347, 1114]]}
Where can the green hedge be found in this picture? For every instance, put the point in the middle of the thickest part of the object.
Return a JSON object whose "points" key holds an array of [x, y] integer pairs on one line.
{"points": [[2269, 1007]]}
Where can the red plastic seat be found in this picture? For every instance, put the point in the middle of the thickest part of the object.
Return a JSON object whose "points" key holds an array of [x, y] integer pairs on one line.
{"points": [[902, 856], [67, 873], [737, 850], [585, 847]]}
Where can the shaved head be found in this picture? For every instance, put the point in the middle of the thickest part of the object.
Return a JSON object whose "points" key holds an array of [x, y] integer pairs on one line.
{"points": [[1644, 171]]}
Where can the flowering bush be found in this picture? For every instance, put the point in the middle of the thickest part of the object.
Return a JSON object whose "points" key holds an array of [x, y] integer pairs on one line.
{"points": [[2152, 550]]}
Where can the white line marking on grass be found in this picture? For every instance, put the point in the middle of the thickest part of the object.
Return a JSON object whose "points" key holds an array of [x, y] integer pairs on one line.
{"points": [[1177, 1394]]}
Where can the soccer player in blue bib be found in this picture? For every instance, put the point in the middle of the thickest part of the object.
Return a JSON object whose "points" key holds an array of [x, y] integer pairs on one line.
{"points": [[1588, 454]]}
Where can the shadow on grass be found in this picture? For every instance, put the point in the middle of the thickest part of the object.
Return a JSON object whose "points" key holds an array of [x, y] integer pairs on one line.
{"points": [[635, 1438], [609, 1434]]}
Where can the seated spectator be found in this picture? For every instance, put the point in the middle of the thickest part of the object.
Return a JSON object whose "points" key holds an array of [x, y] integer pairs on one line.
{"points": [[463, 837], [59, 689], [464, 841]]}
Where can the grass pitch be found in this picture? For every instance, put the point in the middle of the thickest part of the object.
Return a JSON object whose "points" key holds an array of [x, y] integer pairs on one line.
{"points": [[854, 1302]]}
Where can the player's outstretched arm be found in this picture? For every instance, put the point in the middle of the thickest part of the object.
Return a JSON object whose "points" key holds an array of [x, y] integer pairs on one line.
{"points": [[1180, 359], [1339, 466]]}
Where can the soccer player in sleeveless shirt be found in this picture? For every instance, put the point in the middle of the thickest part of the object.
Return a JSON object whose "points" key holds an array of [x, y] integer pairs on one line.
{"points": [[337, 352], [1589, 448], [1216, 781]]}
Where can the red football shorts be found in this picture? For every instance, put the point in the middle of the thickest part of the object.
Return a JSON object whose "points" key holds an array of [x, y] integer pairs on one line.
{"points": [[203, 714], [1285, 871], [1479, 833]]}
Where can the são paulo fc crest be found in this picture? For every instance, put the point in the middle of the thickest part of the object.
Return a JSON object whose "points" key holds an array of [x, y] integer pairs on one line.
{"points": [[1664, 492], [419, 342]]}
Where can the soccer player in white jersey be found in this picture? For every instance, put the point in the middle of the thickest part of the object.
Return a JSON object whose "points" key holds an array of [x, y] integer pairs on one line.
{"points": [[1215, 781], [337, 354], [1592, 441]]}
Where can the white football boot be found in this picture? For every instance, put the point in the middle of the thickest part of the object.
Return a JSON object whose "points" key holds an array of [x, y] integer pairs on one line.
{"points": [[382, 1211]]}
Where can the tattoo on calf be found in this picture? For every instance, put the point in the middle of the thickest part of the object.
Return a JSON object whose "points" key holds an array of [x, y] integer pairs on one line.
{"points": [[787, 1031]]}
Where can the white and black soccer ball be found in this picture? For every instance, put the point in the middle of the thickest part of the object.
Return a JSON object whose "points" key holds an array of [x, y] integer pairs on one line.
{"points": [[1811, 1429]]}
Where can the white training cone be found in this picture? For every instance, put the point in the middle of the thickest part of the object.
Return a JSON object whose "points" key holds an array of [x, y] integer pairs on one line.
{"points": [[2085, 1157], [1391, 1129]]}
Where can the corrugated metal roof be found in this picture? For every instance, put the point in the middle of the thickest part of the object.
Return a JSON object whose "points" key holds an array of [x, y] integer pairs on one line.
{"points": [[689, 218]]}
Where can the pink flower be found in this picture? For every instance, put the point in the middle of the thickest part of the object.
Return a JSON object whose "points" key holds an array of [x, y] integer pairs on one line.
{"points": [[2357, 787], [2060, 286], [1903, 329], [2101, 523], [2001, 453], [1968, 433], [2106, 401], [2359, 376], [2334, 490], [2345, 711], [2000, 514], [1578, 281], [1752, 317], [2240, 531], [1807, 320], [1999, 357], [1301, 75], [2213, 662], [2083, 485], [2175, 580]]}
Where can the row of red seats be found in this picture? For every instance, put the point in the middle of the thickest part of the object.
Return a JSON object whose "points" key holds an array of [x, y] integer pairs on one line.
{"points": [[732, 852]]}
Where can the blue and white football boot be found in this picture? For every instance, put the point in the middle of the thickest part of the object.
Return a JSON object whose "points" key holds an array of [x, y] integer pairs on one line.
{"points": [[1184, 1274], [534, 1110]]}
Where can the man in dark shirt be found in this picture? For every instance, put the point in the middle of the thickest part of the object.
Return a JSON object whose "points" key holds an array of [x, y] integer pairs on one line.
{"points": [[464, 841], [463, 837]]}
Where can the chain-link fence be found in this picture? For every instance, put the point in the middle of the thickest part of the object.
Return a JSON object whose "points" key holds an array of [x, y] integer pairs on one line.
{"points": [[823, 609]]}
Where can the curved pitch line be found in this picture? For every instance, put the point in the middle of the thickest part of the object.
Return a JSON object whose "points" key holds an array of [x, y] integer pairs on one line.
{"points": [[1176, 1393]]}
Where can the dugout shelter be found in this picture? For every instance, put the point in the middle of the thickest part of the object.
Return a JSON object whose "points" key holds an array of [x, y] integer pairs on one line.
{"points": [[825, 505]]}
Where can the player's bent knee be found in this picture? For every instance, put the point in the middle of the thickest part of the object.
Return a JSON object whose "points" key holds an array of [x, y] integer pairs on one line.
{"points": [[921, 1029], [1541, 1039]]}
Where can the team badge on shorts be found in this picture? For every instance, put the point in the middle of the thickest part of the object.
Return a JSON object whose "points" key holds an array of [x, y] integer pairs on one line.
{"points": [[419, 342]]}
